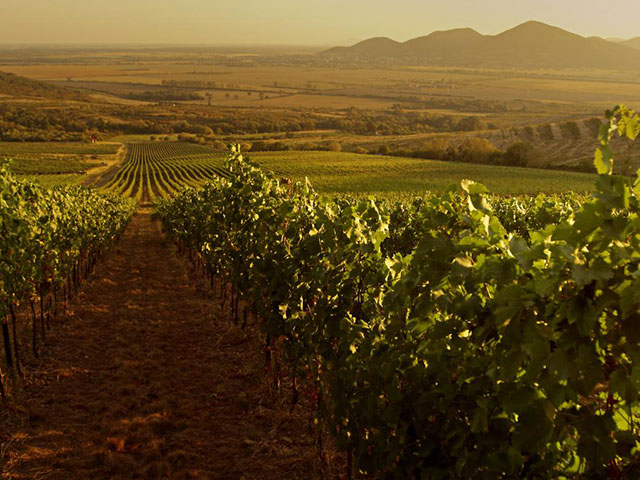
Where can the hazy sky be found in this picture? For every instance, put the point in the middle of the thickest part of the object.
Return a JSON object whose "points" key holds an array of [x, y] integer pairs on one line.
{"points": [[313, 22]]}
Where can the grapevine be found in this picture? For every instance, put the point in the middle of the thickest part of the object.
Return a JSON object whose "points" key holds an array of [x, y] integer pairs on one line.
{"points": [[49, 240], [450, 338]]}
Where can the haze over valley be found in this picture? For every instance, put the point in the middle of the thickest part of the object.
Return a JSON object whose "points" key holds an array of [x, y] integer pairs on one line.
{"points": [[310, 240]]}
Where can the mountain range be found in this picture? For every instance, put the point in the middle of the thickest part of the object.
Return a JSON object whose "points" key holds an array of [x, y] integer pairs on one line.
{"points": [[530, 45]]}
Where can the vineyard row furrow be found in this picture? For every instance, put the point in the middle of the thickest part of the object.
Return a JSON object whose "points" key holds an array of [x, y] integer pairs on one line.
{"points": [[155, 170]]}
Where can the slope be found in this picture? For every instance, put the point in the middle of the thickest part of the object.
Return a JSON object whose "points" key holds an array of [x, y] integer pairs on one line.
{"points": [[20, 87], [633, 43], [529, 45]]}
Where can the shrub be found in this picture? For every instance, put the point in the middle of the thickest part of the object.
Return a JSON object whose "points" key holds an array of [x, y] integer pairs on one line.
{"points": [[383, 150], [473, 150], [435, 148], [470, 124], [522, 154]]}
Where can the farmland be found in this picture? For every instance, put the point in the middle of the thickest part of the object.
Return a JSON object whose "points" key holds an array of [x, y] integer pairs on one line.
{"points": [[439, 335], [155, 170], [597, 88], [332, 172], [453, 294], [147, 170], [304, 102]]}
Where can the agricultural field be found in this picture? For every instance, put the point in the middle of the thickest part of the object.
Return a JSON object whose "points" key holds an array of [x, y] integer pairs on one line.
{"points": [[597, 88], [56, 163], [339, 172], [306, 104], [32, 149], [453, 294], [156, 170], [461, 336]]}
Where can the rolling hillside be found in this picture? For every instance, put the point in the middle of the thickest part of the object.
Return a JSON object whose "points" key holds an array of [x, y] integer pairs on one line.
{"points": [[633, 43], [530, 45], [20, 87]]}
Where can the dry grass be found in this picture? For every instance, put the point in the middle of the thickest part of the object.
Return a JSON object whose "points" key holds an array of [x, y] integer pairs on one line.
{"points": [[594, 88]]}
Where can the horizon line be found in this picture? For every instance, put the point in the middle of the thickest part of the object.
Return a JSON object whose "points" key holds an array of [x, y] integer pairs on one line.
{"points": [[280, 45]]}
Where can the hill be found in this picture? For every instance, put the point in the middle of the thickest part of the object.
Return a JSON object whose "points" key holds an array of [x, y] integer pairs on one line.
{"points": [[530, 45], [633, 43], [21, 87], [379, 46]]}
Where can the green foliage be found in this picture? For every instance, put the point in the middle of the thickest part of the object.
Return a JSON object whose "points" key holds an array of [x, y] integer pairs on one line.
{"points": [[474, 150], [44, 232], [621, 121], [481, 347]]}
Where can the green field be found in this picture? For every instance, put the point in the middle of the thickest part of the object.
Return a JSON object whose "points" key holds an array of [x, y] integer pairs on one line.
{"points": [[46, 165], [57, 163], [55, 180], [332, 172], [160, 169], [29, 149]]}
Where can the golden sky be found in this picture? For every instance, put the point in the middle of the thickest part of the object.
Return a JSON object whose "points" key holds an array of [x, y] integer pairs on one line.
{"points": [[295, 22]]}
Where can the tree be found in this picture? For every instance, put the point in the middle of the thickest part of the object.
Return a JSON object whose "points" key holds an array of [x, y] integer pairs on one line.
{"points": [[522, 154], [435, 148], [470, 124], [384, 150], [474, 150]]}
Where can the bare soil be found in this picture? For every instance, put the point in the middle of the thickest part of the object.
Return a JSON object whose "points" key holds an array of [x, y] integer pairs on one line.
{"points": [[146, 377]]}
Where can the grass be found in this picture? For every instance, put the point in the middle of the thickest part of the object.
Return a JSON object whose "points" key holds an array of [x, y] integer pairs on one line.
{"points": [[336, 173]]}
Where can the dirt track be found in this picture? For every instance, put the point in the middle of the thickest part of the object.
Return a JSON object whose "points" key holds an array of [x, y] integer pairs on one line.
{"points": [[147, 378]]}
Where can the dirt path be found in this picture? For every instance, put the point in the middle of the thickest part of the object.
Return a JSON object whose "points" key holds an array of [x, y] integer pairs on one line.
{"points": [[146, 378], [100, 175]]}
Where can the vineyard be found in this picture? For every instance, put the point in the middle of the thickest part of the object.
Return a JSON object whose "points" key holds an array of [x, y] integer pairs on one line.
{"points": [[157, 170], [459, 334], [51, 240], [397, 177], [439, 340]]}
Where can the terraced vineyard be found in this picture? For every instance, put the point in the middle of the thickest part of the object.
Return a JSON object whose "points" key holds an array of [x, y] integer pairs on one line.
{"points": [[153, 170]]}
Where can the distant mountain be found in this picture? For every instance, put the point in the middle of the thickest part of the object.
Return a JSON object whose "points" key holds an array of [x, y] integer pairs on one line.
{"points": [[633, 43], [532, 44], [379, 46], [459, 38], [16, 86]]}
